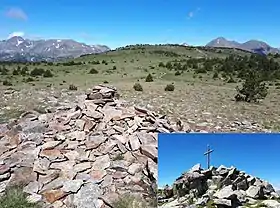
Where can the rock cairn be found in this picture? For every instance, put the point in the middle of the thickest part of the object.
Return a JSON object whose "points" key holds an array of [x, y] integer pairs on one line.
{"points": [[218, 187], [85, 156]]}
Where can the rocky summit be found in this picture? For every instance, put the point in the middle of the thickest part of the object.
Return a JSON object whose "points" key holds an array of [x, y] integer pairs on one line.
{"points": [[218, 187], [84, 156]]}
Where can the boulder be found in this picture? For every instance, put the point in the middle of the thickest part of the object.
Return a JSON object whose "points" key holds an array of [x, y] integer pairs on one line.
{"points": [[255, 192]]}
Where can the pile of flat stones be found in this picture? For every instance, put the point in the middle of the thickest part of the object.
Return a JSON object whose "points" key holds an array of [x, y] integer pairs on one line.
{"points": [[86, 156], [221, 187]]}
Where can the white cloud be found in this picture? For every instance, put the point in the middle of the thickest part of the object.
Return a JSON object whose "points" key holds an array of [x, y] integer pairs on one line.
{"points": [[21, 34], [276, 186], [192, 13], [16, 13]]}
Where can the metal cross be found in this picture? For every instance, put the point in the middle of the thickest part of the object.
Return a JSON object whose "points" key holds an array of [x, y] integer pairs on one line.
{"points": [[207, 153]]}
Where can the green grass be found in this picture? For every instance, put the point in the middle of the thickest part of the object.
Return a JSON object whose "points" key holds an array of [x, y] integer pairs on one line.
{"points": [[132, 65], [130, 201], [126, 65], [118, 157], [15, 198]]}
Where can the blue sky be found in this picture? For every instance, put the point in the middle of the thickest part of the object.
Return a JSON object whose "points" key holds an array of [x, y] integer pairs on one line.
{"points": [[256, 154], [122, 22]]}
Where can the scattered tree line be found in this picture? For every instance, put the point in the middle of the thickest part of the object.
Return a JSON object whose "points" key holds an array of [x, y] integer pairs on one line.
{"points": [[24, 71], [232, 66]]}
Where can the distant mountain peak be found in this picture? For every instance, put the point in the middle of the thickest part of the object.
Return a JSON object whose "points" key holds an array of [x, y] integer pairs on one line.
{"points": [[222, 42], [17, 48], [16, 38], [185, 44], [253, 45]]}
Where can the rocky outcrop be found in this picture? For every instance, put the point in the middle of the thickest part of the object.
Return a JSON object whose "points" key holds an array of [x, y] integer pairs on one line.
{"points": [[218, 187], [85, 156]]}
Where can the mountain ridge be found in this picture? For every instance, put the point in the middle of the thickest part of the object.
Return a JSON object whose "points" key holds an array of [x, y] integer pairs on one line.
{"points": [[255, 46], [19, 49]]}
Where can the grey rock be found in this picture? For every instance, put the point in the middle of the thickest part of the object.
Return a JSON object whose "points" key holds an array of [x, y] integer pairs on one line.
{"points": [[255, 192], [225, 193], [54, 184], [82, 167], [134, 168], [32, 187], [271, 203], [134, 143], [149, 151], [5, 176], [34, 198], [72, 186], [101, 163], [93, 192], [50, 144], [223, 202], [195, 168]]}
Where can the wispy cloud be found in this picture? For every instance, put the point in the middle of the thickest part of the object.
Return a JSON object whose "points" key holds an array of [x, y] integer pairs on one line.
{"points": [[276, 186], [16, 13], [191, 14], [21, 34]]}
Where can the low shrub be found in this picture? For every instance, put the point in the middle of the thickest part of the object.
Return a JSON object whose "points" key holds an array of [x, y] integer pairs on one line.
{"points": [[93, 71], [73, 87], [7, 83], [37, 72], [16, 198], [169, 87], [129, 201], [47, 73], [138, 87], [149, 78]]}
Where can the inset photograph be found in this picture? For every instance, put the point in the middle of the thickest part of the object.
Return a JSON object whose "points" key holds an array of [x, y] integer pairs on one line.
{"points": [[218, 170]]}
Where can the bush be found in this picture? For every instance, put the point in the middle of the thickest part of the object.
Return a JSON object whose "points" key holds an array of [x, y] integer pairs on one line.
{"points": [[4, 71], [215, 75], [24, 71], [201, 71], [93, 71], [105, 82], [16, 198], [47, 73], [161, 64], [114, 67], [177, 73], [72, 87], [7, 83], [137, 87], [118, 157], [231, 80], [104, 62], [169, 87], [252, 89], [29, 79], [16, 72], [37, 72], [169, 65], [149, 78]]}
